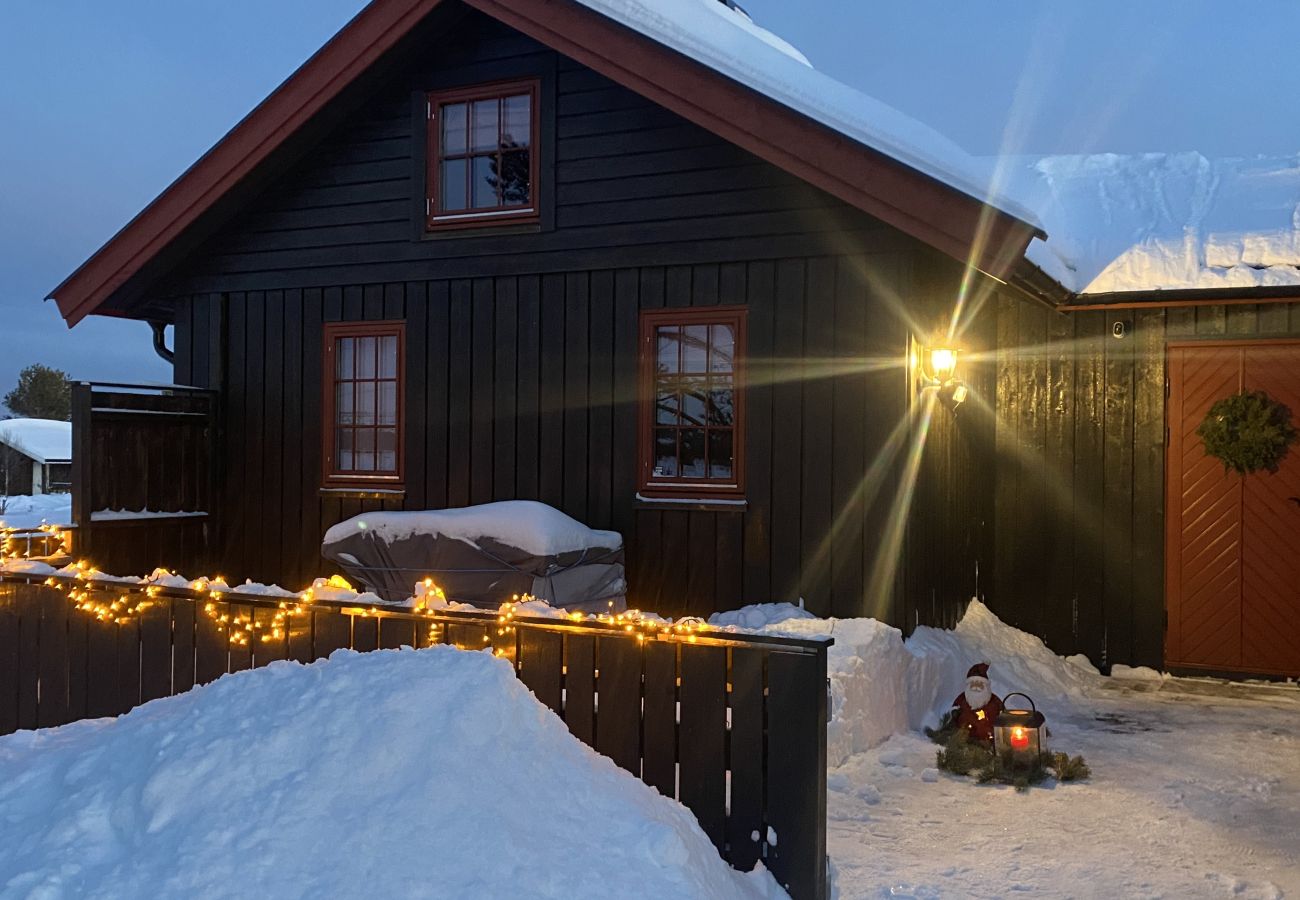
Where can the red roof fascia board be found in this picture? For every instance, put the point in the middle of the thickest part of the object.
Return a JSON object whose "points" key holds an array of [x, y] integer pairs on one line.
{"points": [[349, 53], [916, 204], [949, 220]]}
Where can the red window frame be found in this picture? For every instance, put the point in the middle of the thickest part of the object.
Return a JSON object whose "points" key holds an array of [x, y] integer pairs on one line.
{"points": [[499, 215], [334, 475], [686, 487]]}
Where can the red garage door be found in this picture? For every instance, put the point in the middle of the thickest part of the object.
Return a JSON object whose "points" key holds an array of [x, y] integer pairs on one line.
{"points": [[1232, 542]]}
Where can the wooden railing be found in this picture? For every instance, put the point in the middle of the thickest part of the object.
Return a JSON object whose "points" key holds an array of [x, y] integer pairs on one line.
{"points": [[144, 474], [733, 726]]}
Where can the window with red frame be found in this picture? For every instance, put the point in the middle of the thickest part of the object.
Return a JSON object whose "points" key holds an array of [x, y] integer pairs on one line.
{"points": [[483, 155], [692, 438], [363, 363]]}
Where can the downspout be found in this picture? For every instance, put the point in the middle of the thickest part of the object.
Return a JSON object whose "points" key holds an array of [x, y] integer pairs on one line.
{"points": [[160, 342]]}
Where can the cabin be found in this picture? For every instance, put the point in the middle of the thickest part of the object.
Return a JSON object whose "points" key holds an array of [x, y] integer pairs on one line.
{"points": [[35, 457], [642, 262]]}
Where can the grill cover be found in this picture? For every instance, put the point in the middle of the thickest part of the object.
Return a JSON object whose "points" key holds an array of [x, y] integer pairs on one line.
{"points": [[483, 555]]}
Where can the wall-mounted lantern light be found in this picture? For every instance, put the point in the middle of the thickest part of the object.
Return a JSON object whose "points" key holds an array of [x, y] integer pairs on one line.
{"points": [[939, 365], [1019, 736]]}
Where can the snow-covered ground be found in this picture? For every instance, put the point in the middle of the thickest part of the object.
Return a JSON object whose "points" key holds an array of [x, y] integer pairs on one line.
{"points": [[390, 774], [28, 512], [1195, 789]]}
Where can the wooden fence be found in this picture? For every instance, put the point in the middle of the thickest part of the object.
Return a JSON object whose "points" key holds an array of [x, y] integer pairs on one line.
{"points": [[733, 726], [144, 475]]}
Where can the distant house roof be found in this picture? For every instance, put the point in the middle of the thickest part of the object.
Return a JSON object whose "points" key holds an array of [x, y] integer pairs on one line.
{"points": [[43, 440], [768, 100], [1163, 221]]}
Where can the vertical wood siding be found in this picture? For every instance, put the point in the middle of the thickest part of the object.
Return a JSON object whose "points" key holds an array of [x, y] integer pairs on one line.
{"points": [[522, 346], [524, 387], [1080, 469]]}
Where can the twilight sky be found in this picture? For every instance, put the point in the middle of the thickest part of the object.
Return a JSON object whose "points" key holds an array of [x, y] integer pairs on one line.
{"points": [[104, 104]]}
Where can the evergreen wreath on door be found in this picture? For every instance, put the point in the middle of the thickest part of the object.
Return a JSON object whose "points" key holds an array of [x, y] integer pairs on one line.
{"points": [[1248, 432]]}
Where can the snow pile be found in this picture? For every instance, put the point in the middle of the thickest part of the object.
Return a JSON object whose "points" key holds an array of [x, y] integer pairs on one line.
{"points": [[44, 440], [1162, 221], [28, 512], [882, 685], [533, 527], [429, 773]]}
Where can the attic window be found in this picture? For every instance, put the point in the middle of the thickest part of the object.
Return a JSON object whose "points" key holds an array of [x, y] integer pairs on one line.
{"points": [[483, 155]]}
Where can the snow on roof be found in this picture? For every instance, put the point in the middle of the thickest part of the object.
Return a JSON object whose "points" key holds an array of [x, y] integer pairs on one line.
{"points": [[44, 440], [727, 41], [1163, 221], [533, 527]]}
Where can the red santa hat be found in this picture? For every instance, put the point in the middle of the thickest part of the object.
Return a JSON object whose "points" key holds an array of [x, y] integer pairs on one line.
{"points": [[979, 670]]}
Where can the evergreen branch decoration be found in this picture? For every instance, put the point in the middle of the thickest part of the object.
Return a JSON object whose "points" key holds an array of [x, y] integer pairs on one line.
{"points": [[1248, 432]]}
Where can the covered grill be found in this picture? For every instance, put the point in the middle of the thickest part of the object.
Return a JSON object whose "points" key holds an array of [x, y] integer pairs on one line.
{"points": [[483, 555]]}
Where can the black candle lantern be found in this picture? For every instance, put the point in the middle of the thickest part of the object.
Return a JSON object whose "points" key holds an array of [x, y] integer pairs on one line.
{"points": [[1018, 734]]}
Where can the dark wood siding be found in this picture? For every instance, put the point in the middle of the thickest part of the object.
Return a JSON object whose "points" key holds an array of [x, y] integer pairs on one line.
{"points": [[522, 368], [1080, 475]]}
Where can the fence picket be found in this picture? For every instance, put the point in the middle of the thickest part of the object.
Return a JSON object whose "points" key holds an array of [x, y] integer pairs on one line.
{"points": [[659, 720], [618, 716], [732, 725], [702, 738]]}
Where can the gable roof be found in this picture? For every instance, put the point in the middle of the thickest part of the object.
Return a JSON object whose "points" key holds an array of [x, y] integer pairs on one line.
{"points": [[42, 440], [737, 81]]}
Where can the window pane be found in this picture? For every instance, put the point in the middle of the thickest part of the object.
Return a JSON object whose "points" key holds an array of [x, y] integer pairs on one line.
{"points": [[516, 121], [343, 403], [483, 188], [453, 129], [669, 341], [343, 350], [665, 453], [365, 450], [388, 449], [343, 448], [451, 194], [513, 178], [691, 454], [388, 356], [721, 402], [388, 403], [720, 454], [693, 399], [722, 339], [695, 348], [666, 408], [365, 403], [366, 347], [485, 125]]}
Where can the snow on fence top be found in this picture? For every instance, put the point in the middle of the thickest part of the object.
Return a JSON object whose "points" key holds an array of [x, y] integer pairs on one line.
{"points": [[1163, 221], [533, 527], [727, 41], [44, 440]]}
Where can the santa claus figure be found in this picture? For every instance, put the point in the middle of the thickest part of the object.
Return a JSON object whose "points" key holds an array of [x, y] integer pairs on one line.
{"points": [[976, 707]]}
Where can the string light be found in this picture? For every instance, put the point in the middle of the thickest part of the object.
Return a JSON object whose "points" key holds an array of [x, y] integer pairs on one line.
{"points": [[264, 624]]}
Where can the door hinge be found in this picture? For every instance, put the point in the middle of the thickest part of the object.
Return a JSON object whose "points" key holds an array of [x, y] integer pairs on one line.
{"points": [[1166, 387]]}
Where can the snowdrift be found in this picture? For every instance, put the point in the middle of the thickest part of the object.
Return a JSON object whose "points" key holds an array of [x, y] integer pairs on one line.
{"points": [[882, 685], [429, 773]]}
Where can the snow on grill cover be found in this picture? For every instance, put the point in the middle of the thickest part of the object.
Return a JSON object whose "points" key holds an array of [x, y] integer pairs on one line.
{"points": [[483, 555], [430, 773]]}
